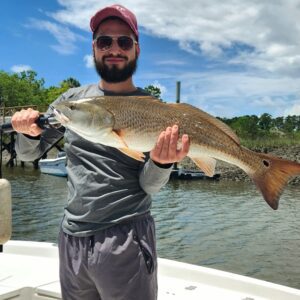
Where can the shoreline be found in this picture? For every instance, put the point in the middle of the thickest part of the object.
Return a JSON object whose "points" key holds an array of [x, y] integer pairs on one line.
{"points": [[227, 171], [233, 173]]}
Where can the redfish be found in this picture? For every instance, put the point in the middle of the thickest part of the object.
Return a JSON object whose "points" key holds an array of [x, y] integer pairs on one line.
{"points": [[133, 123]]}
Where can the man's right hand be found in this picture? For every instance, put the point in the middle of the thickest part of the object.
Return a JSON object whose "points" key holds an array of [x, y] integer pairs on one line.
{"points": [[24, 122]]}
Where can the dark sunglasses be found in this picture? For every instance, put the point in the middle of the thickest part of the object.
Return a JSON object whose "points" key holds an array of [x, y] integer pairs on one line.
{"points": [[104, 42]]}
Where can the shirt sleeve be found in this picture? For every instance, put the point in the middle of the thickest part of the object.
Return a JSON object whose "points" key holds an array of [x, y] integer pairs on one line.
{"points": [[29, 149], [153, 178]]}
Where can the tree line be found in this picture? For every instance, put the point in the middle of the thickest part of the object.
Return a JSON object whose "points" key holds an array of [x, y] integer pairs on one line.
{"points": [[259, 127], [25, 88]]}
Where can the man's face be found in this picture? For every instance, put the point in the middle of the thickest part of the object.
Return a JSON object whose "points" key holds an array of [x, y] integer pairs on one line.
{"points": [[115, 64]]}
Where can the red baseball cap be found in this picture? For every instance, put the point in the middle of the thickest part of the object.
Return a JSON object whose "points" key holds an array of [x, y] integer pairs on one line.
{"points": [[115, 10]]}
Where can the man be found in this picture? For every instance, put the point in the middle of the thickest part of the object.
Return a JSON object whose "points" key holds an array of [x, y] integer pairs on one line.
{"points": [[107, 239]]}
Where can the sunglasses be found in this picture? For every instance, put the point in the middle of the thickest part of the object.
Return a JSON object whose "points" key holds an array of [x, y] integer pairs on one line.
{"points": [[104, 42]]}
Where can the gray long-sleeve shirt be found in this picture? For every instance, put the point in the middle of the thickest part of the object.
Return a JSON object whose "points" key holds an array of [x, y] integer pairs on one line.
{"points": [[105, 186]]}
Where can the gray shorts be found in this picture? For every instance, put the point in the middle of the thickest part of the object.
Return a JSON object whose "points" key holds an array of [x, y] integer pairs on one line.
{"points": [[118, 263]]}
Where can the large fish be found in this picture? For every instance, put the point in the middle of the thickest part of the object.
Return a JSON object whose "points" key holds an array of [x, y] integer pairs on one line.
{"points": [[133, 123]]}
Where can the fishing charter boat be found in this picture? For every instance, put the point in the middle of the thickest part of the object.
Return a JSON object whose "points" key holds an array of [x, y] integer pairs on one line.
{"points": [[29, 271]]}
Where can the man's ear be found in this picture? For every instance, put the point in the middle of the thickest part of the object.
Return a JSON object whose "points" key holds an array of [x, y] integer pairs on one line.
{"points": [[138, 50]]}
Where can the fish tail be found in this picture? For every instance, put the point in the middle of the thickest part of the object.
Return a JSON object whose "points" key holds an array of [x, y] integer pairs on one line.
{"points": [[274, 176]]}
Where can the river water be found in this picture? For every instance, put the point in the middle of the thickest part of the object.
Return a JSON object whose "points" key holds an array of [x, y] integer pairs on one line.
{"points": [[223, 225]]}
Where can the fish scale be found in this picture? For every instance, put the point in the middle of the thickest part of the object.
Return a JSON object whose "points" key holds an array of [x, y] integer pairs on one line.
{"points": [[142, 116]]}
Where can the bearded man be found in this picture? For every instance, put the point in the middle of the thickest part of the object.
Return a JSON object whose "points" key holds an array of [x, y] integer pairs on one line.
{"points": [[107, 239]]}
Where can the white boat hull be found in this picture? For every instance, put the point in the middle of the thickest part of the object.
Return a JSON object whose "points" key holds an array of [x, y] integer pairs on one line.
{"points": [[55, 166], [29, 271]]}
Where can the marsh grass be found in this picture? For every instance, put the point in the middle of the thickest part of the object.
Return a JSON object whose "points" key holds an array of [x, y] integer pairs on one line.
{"points": [[272, 141]]}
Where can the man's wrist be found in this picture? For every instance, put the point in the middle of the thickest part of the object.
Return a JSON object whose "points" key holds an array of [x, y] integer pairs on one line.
{"points": [[32, 137], [163, 166]]}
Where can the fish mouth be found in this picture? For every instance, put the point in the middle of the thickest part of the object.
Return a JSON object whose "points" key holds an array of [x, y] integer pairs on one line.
{"points": [[61, 117]]}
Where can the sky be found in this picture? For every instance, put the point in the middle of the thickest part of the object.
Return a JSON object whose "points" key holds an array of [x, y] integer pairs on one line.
{"points": [[232, 57]]}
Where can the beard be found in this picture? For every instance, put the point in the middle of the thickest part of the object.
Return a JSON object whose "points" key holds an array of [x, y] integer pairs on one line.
{"points": [[114, 74]]}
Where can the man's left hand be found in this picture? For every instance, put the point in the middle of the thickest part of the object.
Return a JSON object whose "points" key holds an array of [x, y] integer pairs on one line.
{"points": [[165, 150]]}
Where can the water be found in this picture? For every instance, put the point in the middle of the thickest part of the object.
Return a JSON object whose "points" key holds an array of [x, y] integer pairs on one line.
{"points": [[223, 225]]}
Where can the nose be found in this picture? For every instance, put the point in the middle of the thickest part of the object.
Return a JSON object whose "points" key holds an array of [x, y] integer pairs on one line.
{"points": [[115, 47]]}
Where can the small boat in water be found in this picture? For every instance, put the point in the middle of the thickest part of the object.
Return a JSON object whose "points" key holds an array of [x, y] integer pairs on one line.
{"points": [[54, 166], [191, 175], [29, 271]]}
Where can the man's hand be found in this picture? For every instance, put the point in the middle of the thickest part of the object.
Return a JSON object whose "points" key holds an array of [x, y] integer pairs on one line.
{"points": [[165, 150], [24, 122]]}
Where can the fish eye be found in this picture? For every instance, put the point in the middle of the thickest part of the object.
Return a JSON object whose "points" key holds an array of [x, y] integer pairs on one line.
{"points": [[72, 107]]}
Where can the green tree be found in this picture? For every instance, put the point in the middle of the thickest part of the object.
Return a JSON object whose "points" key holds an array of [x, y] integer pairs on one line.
{"points": [[154, 91], [246, 126], [21, 89], [26, 89], [53, 92], [298, 123], [71, 82], [279, 123], [265, 122], [290, 124]]}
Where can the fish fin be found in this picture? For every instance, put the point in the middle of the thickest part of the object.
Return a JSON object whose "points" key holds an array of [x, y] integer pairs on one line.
{"points": [[118, 135], [274, 176], [147, 98], [133, 154], [209, 118], [142, 98], [206, 164]]}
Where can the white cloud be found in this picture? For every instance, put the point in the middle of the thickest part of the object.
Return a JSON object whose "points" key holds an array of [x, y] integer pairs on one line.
{"points": [[89, 61], [258, 39], [210, 49], [294, 110], [66, 39], [269, 102], [20, 68], [240, 93], [268, 28], [188, 47], [170, 62]]}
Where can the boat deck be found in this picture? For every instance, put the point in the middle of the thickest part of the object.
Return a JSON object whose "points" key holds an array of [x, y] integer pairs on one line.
{"points": [[29, 271]]}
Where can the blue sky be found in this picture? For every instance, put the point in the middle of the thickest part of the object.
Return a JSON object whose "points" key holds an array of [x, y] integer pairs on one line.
{"points": [[232, 57]]}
